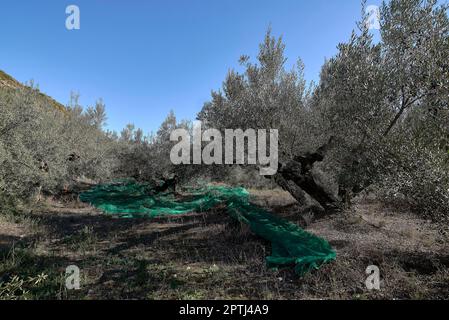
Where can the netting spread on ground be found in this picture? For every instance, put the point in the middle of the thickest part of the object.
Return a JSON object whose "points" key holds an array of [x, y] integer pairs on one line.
{"points": [[290, 244]]}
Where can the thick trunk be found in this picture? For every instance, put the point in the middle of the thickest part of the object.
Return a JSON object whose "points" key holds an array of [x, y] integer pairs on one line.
{"points": [[299, 177]]}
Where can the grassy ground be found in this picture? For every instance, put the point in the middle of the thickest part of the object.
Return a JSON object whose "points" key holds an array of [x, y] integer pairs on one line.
{"points": [[209, 256]]}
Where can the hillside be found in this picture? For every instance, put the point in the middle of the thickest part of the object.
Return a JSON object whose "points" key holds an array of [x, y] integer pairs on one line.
{"points": [[8, 82]]}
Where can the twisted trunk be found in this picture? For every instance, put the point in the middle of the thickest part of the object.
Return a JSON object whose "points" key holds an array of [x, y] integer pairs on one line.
{"points": [[299, 177]]}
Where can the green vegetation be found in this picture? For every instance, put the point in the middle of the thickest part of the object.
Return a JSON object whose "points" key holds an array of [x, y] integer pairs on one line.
{"points": [[382, 106]]}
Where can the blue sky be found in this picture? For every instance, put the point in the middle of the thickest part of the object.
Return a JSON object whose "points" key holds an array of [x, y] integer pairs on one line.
{"points": [[147, 57]]}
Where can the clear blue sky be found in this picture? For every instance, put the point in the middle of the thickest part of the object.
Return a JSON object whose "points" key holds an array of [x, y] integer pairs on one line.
{"points": [[147, 57]]}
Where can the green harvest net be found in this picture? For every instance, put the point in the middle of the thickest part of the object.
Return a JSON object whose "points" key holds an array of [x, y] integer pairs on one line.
{"points": [[290, 244]]}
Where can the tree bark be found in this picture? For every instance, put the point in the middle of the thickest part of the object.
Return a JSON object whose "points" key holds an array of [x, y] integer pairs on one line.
{"points": [[299, 178]]}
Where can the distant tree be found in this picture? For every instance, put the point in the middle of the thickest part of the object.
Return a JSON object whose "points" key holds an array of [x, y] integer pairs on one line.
{"points": [[97, 115], [127, 133], [167, 126]]}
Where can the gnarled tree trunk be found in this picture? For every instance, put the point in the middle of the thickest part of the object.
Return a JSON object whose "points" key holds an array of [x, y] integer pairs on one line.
{"points": [[299, 178]]}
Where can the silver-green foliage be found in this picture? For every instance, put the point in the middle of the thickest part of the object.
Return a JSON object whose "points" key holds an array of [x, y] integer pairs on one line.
{"points": [[386, 104], [44, 149]]}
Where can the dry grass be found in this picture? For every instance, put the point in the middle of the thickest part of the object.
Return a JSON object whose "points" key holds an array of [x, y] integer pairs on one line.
{"points": [[210, 256], [271, 198], [10, 232]]}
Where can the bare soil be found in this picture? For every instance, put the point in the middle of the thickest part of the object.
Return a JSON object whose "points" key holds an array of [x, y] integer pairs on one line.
{"points": [[210, 256]]}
